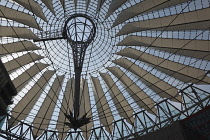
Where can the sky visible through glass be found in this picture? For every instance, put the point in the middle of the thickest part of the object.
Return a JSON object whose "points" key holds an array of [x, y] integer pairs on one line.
{"points": [[101, 52]]}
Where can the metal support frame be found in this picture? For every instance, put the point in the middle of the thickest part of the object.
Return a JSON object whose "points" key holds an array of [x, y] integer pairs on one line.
{"points": [[144, 123], [79, 44]]}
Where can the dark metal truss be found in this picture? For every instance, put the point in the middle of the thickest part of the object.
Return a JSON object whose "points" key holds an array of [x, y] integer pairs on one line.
{"points": [[194, 99]]}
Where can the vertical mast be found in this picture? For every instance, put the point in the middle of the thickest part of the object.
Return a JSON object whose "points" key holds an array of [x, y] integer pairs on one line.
{"points": [[80, 31]]}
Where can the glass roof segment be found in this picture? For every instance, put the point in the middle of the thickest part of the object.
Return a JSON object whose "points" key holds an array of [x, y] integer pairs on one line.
{"points": [[146, 63]]}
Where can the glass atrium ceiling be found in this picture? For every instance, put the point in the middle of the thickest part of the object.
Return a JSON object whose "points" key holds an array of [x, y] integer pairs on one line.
{"points": [[145, 65]]}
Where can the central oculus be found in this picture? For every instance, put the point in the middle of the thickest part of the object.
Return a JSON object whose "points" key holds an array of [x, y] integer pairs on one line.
{"points": [[79, 30]]}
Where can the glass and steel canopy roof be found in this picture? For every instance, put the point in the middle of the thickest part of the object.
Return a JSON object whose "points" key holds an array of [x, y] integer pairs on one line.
{"points": [[146, 65]]}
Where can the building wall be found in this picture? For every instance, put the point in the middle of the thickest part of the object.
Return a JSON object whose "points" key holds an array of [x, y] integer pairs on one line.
{"points": [[197, 126], [172, 132], [194, 127]]}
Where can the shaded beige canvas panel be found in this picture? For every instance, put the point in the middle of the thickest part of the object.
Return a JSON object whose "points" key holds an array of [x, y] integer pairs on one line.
{"points": [[100, 3], [179, 76], [192, 48], [32, 6], [20, 17], [67, 104], [83, 91], [25, 105], [179, 71], [63, 3], [115, 4], [119, 100], [17, 32], [137, 94], [22, 60], [17, 47], [189, 53], [104, 111], [87, 3], [45, 112], [85, 108], [159, 86], [145, 7], [62, 136], [203, 25], [75, 4], [194, 20], [49, 5], [86, 134], [26, 76]]}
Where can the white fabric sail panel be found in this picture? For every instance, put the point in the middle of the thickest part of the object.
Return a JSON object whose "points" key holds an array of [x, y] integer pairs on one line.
{"points": [[32, 6], [194, 20], [17, 32], [49, 5], [138, 95], [20, 17], [145, 7], [115, 4], [104, 112], [119, 100], [25, 105], [159, 86], [18, 46], [194, 75], [22, 60], [191, 48], [45, 112], [26, 76], [67, 104]]}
